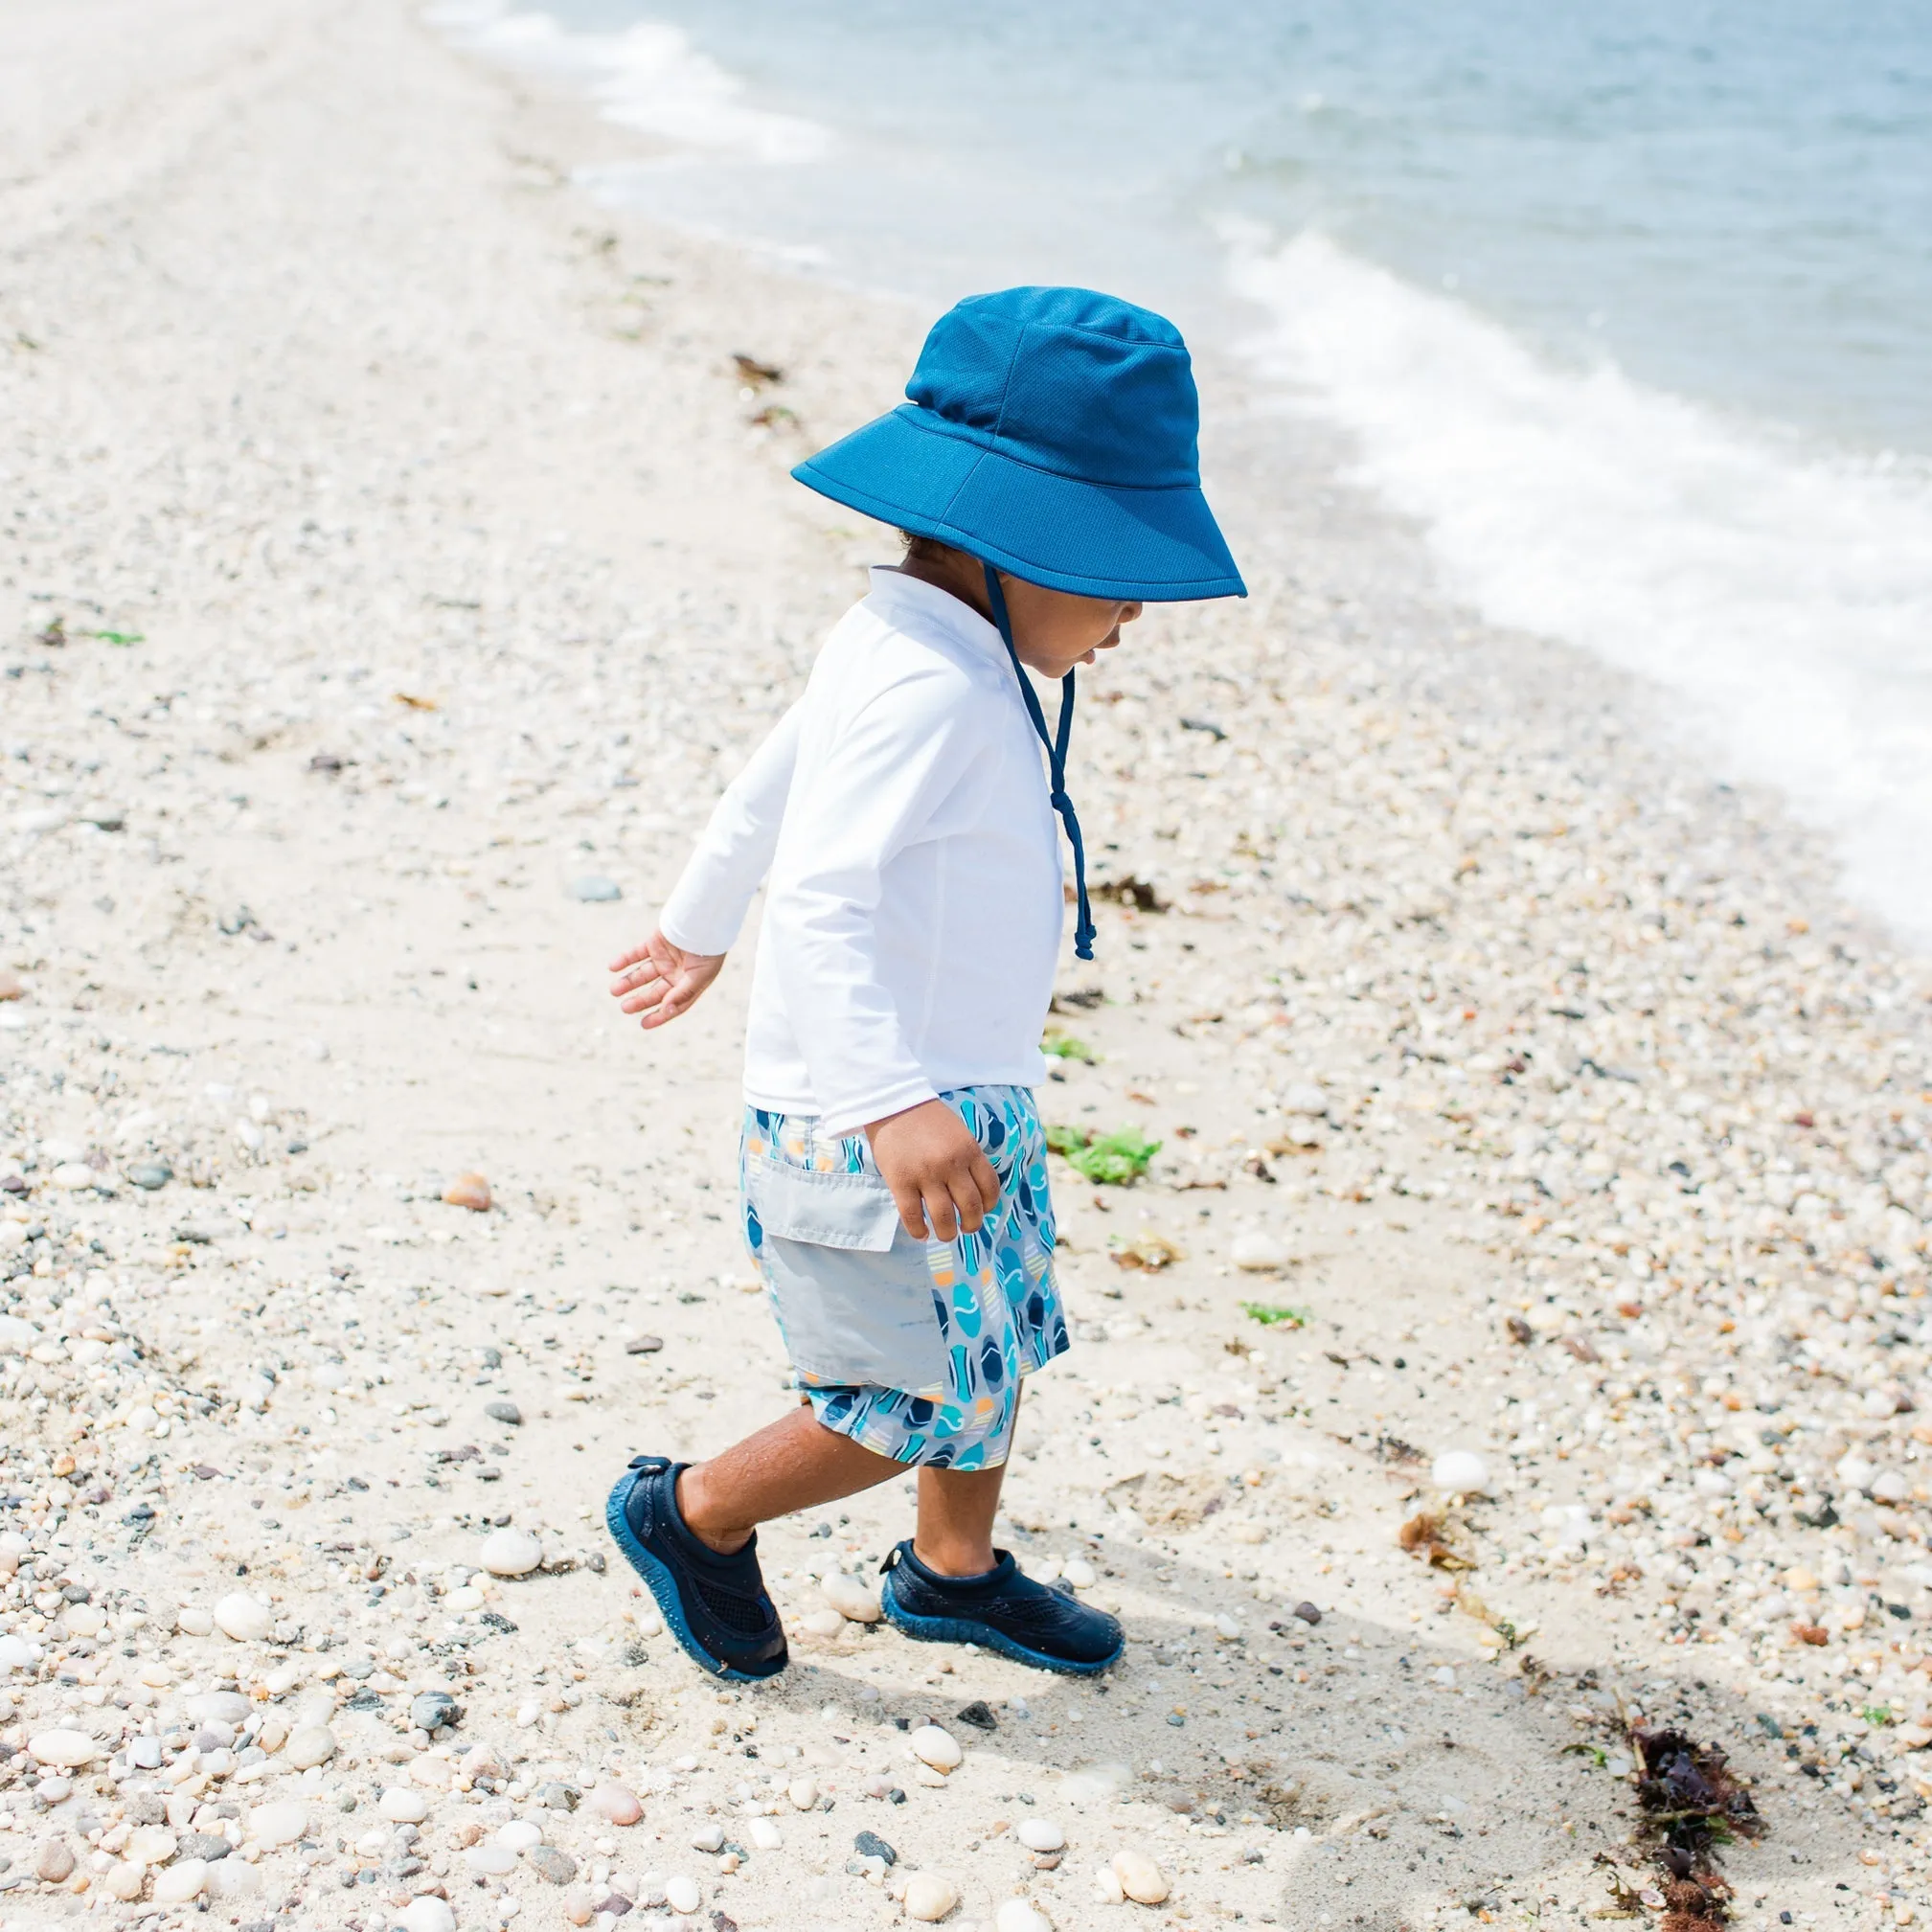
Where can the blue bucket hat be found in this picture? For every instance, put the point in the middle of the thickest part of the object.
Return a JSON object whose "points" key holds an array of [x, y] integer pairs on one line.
{"points": [[1051, 432]]}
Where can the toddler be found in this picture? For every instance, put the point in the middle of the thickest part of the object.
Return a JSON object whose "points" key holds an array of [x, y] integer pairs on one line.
{"points": [[893, 1167]]}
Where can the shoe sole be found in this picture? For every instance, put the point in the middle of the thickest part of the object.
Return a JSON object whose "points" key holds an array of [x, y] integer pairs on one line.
{"points": [[663, 1588], [965, 1630]]}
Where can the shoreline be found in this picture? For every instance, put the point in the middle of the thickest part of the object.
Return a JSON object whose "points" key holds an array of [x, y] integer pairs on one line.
{"points": [[420, 480]]}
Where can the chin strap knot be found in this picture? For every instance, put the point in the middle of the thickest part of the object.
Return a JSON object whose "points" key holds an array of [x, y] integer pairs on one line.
{"points": [[1056, 758]]}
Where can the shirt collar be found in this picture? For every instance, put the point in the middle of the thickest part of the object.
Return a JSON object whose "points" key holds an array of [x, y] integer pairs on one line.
{"points": [[890, 587]]}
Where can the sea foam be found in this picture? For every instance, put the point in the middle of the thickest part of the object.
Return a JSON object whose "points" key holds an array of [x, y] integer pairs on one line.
{"points": [[647, 76], [1784, 594]]}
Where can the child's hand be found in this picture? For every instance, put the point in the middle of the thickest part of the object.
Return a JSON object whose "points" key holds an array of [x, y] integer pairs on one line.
{"points": [[937, 1171], [659, 981]]}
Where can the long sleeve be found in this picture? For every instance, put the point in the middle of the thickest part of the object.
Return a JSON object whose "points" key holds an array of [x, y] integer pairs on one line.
{"points": [[707, 904], [872, 797]]}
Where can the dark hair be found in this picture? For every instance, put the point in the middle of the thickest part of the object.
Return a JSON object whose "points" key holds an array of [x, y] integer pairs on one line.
{"points": [[925, 548]]}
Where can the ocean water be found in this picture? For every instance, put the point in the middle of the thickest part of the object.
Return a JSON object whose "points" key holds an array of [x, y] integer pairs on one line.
{"points": [[1629, 308]]}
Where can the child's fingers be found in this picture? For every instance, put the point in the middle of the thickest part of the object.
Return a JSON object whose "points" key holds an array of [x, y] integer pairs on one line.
{"points": [[941, 1215], [986, 1181], [911, 1212], [626, 960]]}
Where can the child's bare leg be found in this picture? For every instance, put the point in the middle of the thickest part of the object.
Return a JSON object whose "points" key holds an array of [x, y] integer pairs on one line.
{"points": [[795, 1464], [956, 1510]]}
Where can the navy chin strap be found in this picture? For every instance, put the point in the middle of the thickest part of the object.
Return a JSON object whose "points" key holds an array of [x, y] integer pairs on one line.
{"points": [[1056, 759]]}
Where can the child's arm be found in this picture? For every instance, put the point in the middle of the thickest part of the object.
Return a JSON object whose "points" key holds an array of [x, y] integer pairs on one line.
{"points": [[665, 975]]}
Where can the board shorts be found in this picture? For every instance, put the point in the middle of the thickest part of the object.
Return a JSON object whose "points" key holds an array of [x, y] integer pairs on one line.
{"points": [[913, 1348]]}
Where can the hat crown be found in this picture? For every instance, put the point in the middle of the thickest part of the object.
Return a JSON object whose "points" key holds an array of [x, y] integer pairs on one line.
{"points": [[1070, 381]]}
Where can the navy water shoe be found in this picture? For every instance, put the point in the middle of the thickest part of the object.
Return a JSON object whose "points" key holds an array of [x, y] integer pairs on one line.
{"points": [[717, 1606], [1002, 1609]]}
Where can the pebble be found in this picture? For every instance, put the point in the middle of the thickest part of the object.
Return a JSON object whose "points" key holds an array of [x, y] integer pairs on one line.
{"points": [[595, 890], [1021, 1915], [615, 1804], [1460, 1472], [548, 1862], [826, 1623], [870, 1845], [176, 1884], [928, 1896], [510, 1552], [401, 1806], [468, 1190], [54, 1861], [507, 1413], [243, 1616], [150, 1845], [493, 1861], [1079, 1572], [279, 1823], [580, 1905], [520, 1834], [125, 1881], [1258, 1253], [643, 1345], [427, 1914], [937, 1748], [218, 1707], [233, 1878], [308, 1745], [708, 1838], [1141, 1879], [1041, 1834], [681, 1893], [65, 1750], [16, 1653], [765, 1835], [803, 1793], [855, 1599], [150, 1176], [431, 1709]]}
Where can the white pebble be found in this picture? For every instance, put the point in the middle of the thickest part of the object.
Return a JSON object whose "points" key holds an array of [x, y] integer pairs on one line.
{"points": [[1141, 1878], [247, 1619], [521, 1835], [149, 1845], [826, 1623], [1041, 1835], [852, 1597], [681, 1893], [766, 1834], [64, 1750], [401, 1806], [708, 1838], [1079, 1572], [179, 1883], [1460, 1472], [493, 1861], [928, 1896], [281, 1823], [427, 1915], [308, 1745], [936, 1747], [803, 1793], [1021, 1915], [510, 1552]]}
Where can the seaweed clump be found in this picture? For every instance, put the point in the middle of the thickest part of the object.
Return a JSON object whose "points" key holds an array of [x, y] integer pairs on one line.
{"points": [[1692, 1805]]}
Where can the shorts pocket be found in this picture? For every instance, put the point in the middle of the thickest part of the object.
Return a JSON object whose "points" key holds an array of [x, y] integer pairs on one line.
{"points": [[854, 1291]]}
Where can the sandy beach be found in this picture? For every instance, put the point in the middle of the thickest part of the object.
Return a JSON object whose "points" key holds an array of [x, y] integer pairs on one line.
{"points": [[1517, 1341]]}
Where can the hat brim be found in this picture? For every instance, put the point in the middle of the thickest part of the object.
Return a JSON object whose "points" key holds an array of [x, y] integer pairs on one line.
{"points": [[1153, 546]]}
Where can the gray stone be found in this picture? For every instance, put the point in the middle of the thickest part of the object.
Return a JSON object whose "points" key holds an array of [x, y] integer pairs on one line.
{"points": [[559, 1868], [504, 1412], [430, 1710], [150, 1174], [643, 1345], [595, 889], [870, 1845], [555, 1797]]}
